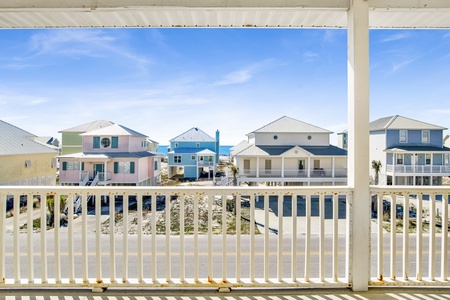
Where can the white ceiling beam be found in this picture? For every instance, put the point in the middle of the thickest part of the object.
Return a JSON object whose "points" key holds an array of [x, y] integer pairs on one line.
{"points": [[139, 4]]}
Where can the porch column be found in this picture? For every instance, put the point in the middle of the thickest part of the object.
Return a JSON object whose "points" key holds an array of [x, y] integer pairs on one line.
{"points": [[309, 166], [332, 167], [106, 172], [282, 167], [257, 167], [358, 143], [394, 166], [196, 167]]}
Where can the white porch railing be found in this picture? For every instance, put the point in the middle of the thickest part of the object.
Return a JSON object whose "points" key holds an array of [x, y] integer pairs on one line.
{"points": [[163, 245], [419, 257], [294, 173], [419, 169], [278, 252], [84, 178]]}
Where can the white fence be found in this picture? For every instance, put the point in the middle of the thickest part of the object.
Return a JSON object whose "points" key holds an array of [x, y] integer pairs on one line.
{"points": [[277, 237]]}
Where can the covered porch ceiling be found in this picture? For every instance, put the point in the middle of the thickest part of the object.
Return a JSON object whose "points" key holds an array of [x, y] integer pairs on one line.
{"points": [[218, 13]]}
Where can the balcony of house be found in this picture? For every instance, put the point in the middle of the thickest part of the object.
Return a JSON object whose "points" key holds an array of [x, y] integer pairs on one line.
{"points": [[427, 169], [279, 237], [294, 173], [204, 163]]}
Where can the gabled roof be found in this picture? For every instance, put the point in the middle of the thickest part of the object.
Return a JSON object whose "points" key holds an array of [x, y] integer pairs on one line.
{"points": [[279, 150], [15, 141], [113, 130], [193, 135], [418, 149], [88, 126], [108, 155], [325, 150], [400, 122], [239, 147], [191, 151], [289, 125]]}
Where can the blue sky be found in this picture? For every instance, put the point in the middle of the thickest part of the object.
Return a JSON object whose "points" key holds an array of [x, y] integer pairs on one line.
{"points": [[162, 82]]}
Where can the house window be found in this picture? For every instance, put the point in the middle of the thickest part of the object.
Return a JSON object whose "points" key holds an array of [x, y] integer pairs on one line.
{"points": [[425, 136], [200, 158], [144, 143], [156, 165], [176, 145], [193, 157], [124, 167], [428, 158], [210, 158], [27, 163], [197, 145], [96, 142], [115, 142], [399, 159], [403, 136], [106, 142], [177, 159], [71, 166]]}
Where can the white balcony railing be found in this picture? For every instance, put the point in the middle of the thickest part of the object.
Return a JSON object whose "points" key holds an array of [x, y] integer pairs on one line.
{"points": [[147, 237], [411, 247], [294, 173], [419, 169]]}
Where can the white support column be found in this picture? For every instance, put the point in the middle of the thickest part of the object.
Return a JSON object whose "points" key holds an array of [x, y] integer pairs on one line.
{"points": [[358, 138], [332, 167], [309, 166], [257, 167], [394, 164], [282, 167]]}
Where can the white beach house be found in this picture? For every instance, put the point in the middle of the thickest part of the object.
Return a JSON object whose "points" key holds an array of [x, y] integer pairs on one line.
{"points": [[290, 152]]}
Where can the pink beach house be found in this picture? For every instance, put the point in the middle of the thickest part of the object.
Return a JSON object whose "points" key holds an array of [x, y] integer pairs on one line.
{"points": [[111, 155]]}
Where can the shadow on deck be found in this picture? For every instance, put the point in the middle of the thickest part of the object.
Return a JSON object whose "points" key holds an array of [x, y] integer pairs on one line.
{"points": [[247, 294]]}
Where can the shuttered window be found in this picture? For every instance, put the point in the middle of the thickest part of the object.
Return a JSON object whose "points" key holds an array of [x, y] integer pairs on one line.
{"points": [[115, 142], [96, 142]]}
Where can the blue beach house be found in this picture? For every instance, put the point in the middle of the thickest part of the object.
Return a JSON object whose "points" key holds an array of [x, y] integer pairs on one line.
{"points": [[193, 155], [411, 152]]}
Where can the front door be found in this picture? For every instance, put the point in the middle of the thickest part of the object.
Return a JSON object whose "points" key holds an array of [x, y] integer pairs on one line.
{"points": [[98, 168]]}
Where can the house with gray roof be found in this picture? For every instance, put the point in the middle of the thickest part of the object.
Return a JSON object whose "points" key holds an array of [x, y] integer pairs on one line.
{"points": [[290, 152], [111, 155], [23, 161], [71, 139], [193, 154], [411, 152]]}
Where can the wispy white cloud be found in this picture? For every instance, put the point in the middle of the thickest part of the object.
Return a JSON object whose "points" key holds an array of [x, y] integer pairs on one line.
{"points": [[402, 64], [311, 56], [76, 44], [236, 77], [70, 42], [329, 36], [245, 74], [396, 37]]}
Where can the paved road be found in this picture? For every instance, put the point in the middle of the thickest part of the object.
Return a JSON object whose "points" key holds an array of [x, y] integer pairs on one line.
{"points": [[217, 255]]}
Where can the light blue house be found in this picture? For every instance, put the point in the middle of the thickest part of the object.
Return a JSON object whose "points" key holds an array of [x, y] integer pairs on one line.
{"points": [[193, 155], [411, 152]]}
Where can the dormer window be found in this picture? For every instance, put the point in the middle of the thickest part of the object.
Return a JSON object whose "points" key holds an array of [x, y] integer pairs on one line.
{"points": [[197, 145], [403, 136], [176, 145]]}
